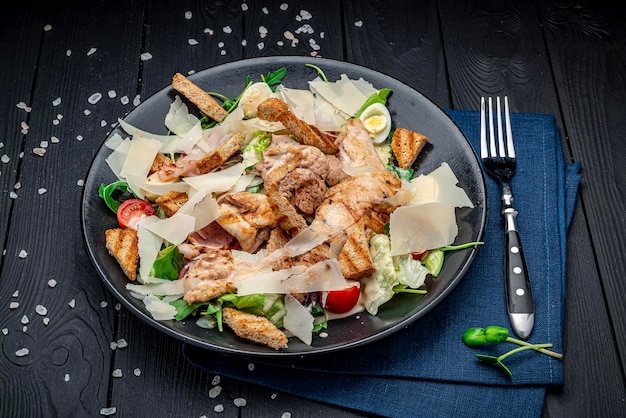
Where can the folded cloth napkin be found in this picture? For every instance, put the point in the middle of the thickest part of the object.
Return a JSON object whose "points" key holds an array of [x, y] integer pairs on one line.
{"points": [[425, 369]]}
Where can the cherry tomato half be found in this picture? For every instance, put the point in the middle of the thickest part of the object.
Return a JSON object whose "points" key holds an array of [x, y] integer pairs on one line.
{"points": [[131, 210], [340, 301], [419, 256]]}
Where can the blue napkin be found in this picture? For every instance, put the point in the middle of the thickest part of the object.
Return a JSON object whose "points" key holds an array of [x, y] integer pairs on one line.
{"points": [[425, 369]]}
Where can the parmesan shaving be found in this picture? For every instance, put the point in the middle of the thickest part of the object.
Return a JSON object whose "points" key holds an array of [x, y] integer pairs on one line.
{"points": [[174, 229], [218, 181], [160, 311], [298, 320], [149, 245]]}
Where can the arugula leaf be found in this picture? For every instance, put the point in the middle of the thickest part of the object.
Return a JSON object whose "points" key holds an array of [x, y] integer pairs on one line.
{"points": [[112, 194], [319, 71], [378, 97], [184, 309], [274, 77], [168, 264]]}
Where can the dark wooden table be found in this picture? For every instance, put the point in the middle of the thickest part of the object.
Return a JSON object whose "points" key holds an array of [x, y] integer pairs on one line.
{"points": [[559, 57]]}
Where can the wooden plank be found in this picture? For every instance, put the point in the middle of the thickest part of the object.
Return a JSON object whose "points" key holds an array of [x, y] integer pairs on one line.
{"points": [[16, 85], [67, 370], [587, 47], [402, 41]]}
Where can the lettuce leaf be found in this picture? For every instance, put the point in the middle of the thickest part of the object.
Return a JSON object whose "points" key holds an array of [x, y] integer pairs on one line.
{"points": [[168, 264]]}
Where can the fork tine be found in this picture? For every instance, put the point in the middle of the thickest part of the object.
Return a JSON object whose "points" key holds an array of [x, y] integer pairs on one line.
{"points": [[484, 153], [492, 136], [509, 132], [501, 150]]}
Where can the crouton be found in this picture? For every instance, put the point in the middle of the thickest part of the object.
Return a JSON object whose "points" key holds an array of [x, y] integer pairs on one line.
{"points": [[217, 158], [354, 258], [284, 212], [123, 245], [171, 201], [406, 146], [158, 161], [255, 328], [205, 102], [276, 110]]}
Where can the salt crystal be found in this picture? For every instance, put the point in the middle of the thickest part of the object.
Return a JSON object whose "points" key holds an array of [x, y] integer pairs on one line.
{"points": [[46, 320], [280, 43], [358, 23], [306, 28], [68, 52], [118, 306], [108, 411], [103, 304], [188, 15], [137, 100], [55, 122], [94, 98], [305, 15], [286, 415], [87, 112], [79, 137], [289, 35], [192, 42], [124, 100], [13, 195], [80, 182], [25, 320], [66, 377], [112, 94], [117, 373], [14, 305], [16, 294], [91, 51], [274, 395], [24, 126], [22, 352], [72, 303], [43, 144], [251, 366], [113, 345], [1, 144], [146, 56], [42, 190], [41, 310], [52, 283], [244, 7], [260, 45], [215, 391], [323, 334], [227, 29], [322, 34], [24, 329], [103, 123], [216, 380], [220, 44], [265, 11], [5, 331], [137, 372], [56, 101], [47, 27], [121, 343], [218, 408], [263, 31], [244, 42], [17, 185], [239, 402], [209, 31], [222, 52], [21, 105], [284, 6], [22, 254]]}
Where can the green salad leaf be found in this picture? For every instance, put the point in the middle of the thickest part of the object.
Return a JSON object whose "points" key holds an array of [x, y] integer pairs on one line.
{"points": [[168, 264]]}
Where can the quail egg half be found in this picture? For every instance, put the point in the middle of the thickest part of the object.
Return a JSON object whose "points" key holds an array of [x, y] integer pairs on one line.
{"points": [[252, 97], [377, 121]]}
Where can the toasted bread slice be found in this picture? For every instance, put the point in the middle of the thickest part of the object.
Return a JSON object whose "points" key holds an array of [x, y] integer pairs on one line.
{"points": [[123, 245], [284, 212], [255, 328], [171, 201], [406, 146], [158, 160], [354, 258], [276, 110], [217, 158], [199, 97]]}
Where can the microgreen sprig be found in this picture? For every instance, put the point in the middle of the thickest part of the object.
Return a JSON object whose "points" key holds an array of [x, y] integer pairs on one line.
{"points": [[474, 337]]}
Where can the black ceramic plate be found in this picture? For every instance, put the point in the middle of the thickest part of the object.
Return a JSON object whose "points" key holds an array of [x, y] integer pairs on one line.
{"points": [[408, 108]]}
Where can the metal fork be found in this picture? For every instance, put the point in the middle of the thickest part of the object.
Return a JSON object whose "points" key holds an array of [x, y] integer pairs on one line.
{"points": [[499, 161]]}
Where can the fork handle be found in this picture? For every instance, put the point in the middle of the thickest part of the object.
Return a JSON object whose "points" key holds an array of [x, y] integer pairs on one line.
{"points": [[519, 293]]}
